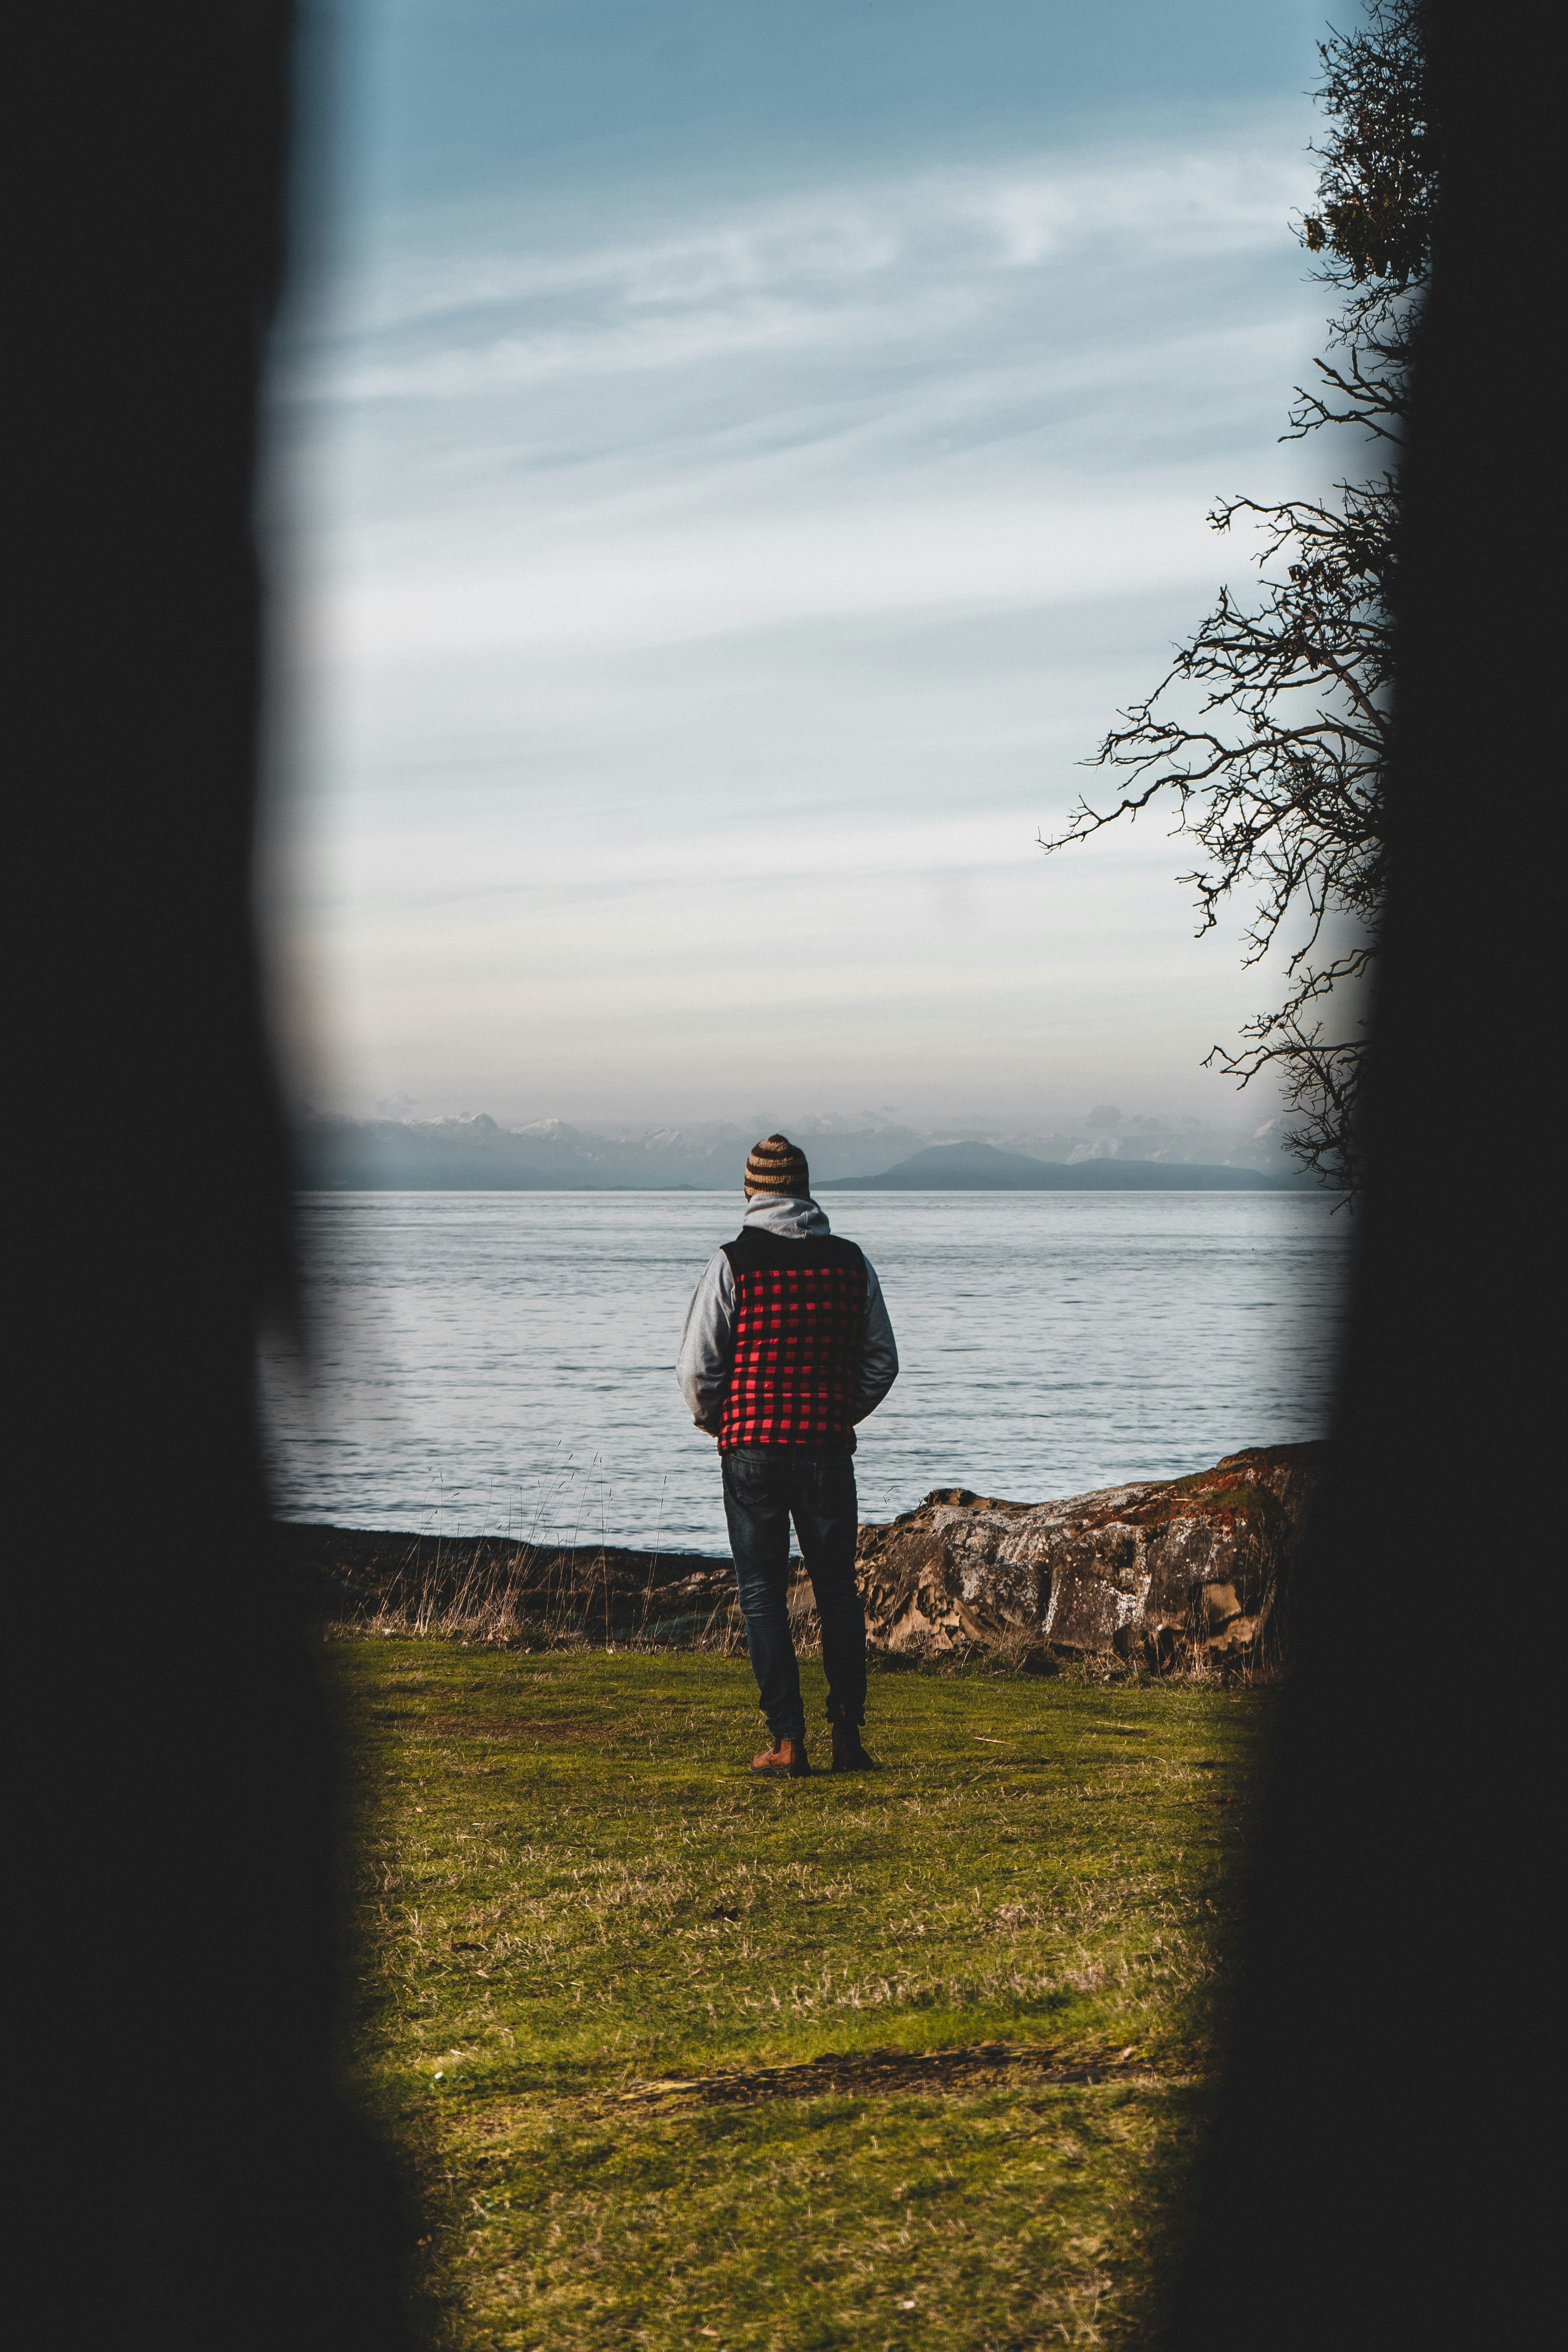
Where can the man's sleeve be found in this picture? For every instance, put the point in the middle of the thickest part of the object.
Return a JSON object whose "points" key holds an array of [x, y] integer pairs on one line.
{"points": [[877, 1365], [708, 1344]]}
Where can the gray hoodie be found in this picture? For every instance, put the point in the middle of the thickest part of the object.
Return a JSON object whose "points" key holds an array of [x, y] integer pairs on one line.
{"points": [[707, 1343]]}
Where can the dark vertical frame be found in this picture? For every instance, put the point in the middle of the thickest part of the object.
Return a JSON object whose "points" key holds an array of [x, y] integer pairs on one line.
{"points": [[185, 2171], [1376, 2174]]}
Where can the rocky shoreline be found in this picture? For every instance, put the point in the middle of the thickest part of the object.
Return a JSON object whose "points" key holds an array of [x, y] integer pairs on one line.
{"points": [[1183, 1574], [1177, 1572]]}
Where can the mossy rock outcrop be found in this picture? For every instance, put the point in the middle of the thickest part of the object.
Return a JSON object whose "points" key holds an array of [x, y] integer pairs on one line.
{"points": [[1178, 1571]]}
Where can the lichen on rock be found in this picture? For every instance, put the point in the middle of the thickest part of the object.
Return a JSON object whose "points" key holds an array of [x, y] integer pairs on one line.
{"points": [[1178, 1571]]}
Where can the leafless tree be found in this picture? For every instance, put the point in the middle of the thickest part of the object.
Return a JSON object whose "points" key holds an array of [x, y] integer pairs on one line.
{"points": [[1271, 730]]}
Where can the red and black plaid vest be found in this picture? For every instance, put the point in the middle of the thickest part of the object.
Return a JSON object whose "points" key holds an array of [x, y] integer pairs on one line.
{"points": [[800, 1310]]}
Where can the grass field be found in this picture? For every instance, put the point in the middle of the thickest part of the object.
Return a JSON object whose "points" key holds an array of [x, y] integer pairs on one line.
{"points": [[680, 2058]]}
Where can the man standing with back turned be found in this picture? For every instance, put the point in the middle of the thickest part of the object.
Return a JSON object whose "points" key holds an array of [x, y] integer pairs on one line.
{"points": [[786, 1346]]}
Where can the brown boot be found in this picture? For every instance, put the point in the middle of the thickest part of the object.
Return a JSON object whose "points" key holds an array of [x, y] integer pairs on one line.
{"points": [[785, 1760], [849, 1756]]}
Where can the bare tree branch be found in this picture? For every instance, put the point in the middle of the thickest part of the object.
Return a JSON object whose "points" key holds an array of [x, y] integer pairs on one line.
{"points": [[1271, 730]]}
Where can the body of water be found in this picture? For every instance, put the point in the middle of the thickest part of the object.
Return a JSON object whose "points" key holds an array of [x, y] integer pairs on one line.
{"points": [[504, 1361]]}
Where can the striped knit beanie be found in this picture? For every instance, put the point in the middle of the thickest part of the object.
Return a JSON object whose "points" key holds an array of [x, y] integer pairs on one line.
{"points": [[776, 1166]]}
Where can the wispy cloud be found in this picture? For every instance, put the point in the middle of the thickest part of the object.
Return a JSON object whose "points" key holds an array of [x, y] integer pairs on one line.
{"points": [[747, 583], [866, 265]]}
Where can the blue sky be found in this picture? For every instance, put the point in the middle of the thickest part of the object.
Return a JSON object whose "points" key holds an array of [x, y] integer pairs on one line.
{"points": [[730, 463]]}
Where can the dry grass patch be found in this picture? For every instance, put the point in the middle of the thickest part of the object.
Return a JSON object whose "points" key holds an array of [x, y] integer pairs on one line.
{"points": [[571, 1898]]}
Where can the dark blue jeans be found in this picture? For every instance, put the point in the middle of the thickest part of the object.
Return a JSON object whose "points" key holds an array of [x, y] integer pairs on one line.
{"points": [[765, 1488]]}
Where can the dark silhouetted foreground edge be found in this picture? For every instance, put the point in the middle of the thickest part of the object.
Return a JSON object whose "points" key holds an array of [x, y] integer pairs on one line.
{"points": [[1376, 2178], [185, 2172]]}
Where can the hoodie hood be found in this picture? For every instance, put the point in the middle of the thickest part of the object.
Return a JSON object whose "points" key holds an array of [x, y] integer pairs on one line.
{"points": [[795, 1220]]}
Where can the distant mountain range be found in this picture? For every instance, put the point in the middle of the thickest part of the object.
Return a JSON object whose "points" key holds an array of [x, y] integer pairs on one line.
{"points": [[334, 1154], [981, 1168], [387, 1155], [477, 1155]]}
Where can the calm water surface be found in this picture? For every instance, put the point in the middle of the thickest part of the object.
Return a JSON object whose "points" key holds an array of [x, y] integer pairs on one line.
{"points": [[496, 1362]]}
